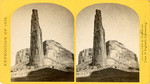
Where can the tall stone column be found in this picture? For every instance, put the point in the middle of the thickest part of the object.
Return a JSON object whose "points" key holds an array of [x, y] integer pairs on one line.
{"points": [[99, 45], [36, 44]]}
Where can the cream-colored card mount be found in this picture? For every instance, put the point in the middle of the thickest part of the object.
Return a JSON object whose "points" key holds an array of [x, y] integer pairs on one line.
{"points": [[74, 41]]}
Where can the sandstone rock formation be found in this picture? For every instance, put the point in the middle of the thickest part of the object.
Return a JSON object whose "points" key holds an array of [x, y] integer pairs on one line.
{"points": [[22, 55], [48, 54], [36, 45], [119, 56], [55, 51], [85, 55], [104, 55], [99, 46], [55, 57]]}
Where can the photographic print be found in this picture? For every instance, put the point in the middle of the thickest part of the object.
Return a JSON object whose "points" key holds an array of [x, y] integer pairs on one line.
{"points": [[107, 44], [42, 43]]}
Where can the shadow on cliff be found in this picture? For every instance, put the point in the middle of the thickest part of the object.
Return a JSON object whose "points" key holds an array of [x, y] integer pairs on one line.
{"points": [[111, 75], [47, 74]]}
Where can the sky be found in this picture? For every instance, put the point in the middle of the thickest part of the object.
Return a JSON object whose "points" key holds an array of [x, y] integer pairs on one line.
{"points": [[120, 22], [56, 22]]}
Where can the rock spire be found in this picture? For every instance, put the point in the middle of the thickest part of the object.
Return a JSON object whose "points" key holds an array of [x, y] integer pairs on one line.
{"points": [[99, 46], [36, 44]]}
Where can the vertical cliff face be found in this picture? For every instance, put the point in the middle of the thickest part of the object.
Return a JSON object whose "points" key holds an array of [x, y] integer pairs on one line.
{"points": [[22, 55], [55, 51], [99, 46], [120, 56], [36, 44], [85, 55]]}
